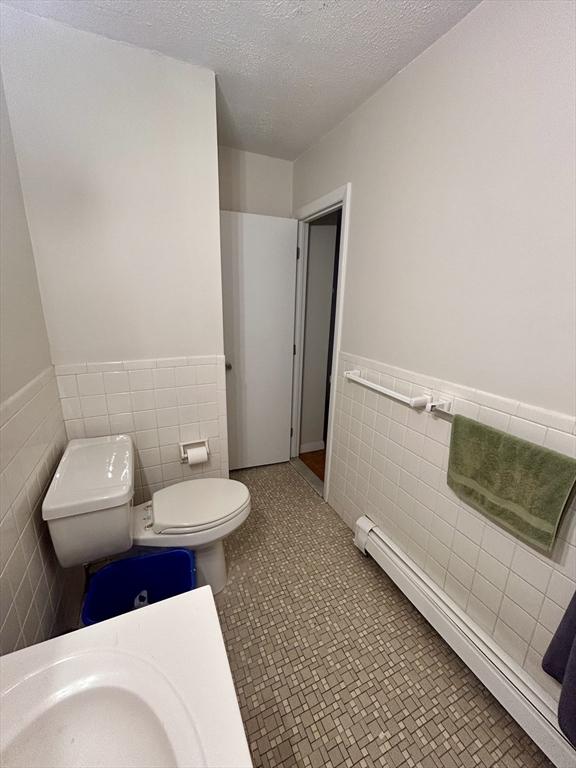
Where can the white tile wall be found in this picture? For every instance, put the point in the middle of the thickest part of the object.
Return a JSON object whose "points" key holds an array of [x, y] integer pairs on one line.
{"points": [[389, 462], [32, 439], [160, 403]]}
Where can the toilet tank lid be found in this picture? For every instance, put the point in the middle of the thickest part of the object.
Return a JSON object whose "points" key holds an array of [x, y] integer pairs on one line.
{"points": [[94, 473]]}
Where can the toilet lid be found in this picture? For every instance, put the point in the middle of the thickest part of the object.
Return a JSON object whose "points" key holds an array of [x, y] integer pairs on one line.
{"points": [[197, 504]]}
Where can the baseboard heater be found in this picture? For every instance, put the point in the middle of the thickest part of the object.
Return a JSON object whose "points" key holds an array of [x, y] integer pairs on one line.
{"points": [[529, 705]]}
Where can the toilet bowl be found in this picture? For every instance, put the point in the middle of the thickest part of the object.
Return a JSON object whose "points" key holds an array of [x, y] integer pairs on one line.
{"points": [[90, 514], [198, 515]]}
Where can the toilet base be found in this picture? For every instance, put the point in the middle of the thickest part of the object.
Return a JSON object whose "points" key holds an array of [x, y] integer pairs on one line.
{"points": [[207, 544], [211, 566]]}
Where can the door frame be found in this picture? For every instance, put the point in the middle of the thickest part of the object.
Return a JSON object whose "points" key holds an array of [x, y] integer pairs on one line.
{"points": [[338, 198]]}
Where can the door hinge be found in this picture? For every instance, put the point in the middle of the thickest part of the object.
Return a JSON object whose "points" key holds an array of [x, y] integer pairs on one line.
{"points": [[291, 431], [294, 349], [297, 252]]}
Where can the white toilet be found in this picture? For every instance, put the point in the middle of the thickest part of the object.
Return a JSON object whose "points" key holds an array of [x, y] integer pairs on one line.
{"points": [[90, 514]]}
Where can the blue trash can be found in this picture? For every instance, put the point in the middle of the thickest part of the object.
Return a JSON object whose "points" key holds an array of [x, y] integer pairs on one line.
{"points": [[135, 582]]}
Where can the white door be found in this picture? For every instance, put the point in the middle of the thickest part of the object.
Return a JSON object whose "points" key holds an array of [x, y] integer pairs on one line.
{"points": [[258, 285]]}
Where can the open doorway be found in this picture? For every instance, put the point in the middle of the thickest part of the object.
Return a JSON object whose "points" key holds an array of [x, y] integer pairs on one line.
{"points": [[319, 291]]}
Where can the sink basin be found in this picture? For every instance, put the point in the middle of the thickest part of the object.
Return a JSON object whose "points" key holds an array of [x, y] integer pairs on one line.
{"points": [[56, 712], [148, 689]]}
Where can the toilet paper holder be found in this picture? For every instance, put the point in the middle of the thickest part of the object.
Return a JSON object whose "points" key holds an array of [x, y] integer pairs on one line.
{"points": [[184, 447]]}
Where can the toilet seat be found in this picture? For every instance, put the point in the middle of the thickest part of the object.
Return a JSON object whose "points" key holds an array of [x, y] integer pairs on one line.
{"points": [[197, 505]]}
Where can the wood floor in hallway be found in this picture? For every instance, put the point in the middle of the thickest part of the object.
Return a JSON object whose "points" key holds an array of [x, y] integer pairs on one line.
{"points": [[316, 461]]}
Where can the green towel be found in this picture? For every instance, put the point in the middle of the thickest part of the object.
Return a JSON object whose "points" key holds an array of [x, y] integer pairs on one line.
{"points": [[521, 486]]}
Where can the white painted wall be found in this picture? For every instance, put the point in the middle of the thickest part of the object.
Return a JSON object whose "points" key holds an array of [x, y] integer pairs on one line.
{"points": [[461, 249], [321, 252], [251, 183], [24, 350], [118, 159]]}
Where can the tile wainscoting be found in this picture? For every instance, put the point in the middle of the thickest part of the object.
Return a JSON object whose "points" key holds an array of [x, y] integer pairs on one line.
{"points": [[389, 462], [32, 439], [159, 403]]}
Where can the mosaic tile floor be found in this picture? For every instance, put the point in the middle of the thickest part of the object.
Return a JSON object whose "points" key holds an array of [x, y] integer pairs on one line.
{"points": [[333, 666]]}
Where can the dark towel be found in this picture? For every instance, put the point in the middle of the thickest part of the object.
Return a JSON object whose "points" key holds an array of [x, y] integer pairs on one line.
{"points": [[560, 662]]}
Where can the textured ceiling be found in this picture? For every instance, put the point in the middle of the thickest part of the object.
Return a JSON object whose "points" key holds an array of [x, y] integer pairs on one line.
{"points": [[287, 70]]}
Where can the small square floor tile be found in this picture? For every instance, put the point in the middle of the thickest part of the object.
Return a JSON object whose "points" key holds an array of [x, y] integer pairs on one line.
{"points": [[333, 665]]}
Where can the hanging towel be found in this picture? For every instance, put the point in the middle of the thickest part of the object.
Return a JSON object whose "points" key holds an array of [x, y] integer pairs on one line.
{"points": [[560, 662], [521, 486]]}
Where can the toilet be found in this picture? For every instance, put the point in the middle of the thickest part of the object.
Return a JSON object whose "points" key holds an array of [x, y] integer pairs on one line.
{"points": [[90, 513]]}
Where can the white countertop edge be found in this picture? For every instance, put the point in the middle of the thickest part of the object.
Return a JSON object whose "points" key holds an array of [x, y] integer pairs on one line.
{"points": [[182, 638]]}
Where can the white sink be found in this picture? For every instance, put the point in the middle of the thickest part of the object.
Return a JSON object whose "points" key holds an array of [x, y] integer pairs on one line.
{"points": [[149, 689]]}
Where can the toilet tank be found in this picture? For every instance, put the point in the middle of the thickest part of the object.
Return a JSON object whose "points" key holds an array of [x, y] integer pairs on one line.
{"points": [[88, 506]]}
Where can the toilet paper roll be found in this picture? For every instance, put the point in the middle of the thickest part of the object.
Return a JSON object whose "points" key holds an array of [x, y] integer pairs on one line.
{"points": [[197, 455]]}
